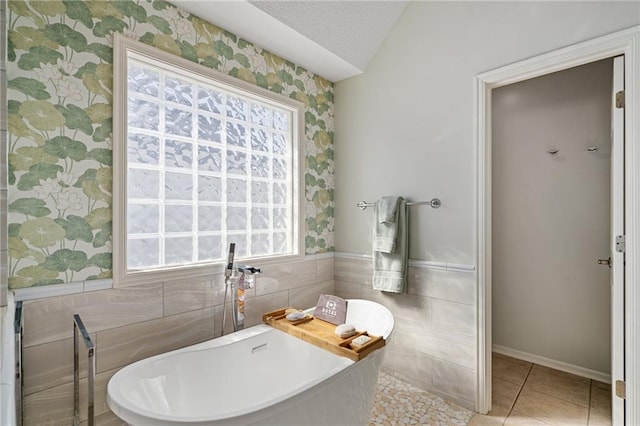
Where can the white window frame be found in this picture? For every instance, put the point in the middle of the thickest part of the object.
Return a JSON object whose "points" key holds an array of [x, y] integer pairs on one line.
{"points": [[122, 276]]}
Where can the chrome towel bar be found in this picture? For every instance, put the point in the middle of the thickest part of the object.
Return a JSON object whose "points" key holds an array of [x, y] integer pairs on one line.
{"points": [[434, 202]]}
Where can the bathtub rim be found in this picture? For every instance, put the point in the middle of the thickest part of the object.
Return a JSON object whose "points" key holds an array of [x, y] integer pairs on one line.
{"points": [[136, 411], [390, 326]]}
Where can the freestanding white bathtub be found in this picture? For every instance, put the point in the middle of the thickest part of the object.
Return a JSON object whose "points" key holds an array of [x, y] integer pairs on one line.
{"points": [[259, 375]]}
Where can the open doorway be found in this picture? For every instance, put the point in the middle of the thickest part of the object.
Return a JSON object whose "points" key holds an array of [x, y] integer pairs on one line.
{"points": [[626, 211], [551, 192]]}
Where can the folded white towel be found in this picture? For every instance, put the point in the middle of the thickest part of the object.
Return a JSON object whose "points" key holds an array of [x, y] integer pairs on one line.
{"points": [[390, 268], [385, 224]]}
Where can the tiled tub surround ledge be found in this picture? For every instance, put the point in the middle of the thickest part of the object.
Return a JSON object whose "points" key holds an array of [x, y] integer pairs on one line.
{"points": [[132, 323], [434, 343]]}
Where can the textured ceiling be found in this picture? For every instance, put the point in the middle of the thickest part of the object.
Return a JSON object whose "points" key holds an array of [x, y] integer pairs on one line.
{"points": [[335, 39], [353, 30]]}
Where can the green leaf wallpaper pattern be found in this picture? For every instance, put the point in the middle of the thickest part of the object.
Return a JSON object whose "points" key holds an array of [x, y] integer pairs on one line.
{"points": [[60, 78]]}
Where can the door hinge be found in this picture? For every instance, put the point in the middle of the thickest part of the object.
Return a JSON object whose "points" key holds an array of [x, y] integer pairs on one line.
{"points": [[621, 389], [620, 243], [620, 99]]}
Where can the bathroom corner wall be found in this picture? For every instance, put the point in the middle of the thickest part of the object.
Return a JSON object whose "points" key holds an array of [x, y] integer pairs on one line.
{"points": [[433, 344], [137, 322], [406, 127]]}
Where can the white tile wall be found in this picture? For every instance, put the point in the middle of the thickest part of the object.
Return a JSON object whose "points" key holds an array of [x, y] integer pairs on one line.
{"points": [[135, 322], [50, 365], [433, 345], [439, 284], [51, 319], [122, 346], [306, 297], [453, 347], [255, 307], [455, 382], [285, 277], [191, 294], [409, 365], [348, 290], [324, 269], [54, 406], [453, 316]]}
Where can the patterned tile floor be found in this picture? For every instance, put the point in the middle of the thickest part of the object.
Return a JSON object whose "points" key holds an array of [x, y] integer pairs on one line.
{"points": [[399, 403]]}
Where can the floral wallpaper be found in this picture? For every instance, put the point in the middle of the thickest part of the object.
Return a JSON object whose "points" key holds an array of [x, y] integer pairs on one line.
{"points": [[60, 77]]}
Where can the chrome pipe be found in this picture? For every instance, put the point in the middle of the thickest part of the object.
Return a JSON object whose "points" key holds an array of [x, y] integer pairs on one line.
{"points": [[241, 279], [227, 280], [238, 317], [78, 325]]}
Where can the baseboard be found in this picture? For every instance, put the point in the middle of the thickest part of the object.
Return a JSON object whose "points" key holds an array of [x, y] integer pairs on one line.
{"points": [[552, 363]]}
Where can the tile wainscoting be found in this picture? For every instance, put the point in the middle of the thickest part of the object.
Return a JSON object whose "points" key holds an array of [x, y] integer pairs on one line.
{"points": [[434, 342], [129, 324], [433, 346]]}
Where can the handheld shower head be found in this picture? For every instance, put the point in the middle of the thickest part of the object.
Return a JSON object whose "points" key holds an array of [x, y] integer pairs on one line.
{"points": [[229, 270]]}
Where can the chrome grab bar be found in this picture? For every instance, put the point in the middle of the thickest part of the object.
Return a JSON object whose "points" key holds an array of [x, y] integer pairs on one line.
{"points": [[19, 385], [434, 203], [91, 366]]}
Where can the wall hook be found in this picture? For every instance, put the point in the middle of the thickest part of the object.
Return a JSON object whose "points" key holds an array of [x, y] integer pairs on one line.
{"points": [[553, 151], [593, 148]]}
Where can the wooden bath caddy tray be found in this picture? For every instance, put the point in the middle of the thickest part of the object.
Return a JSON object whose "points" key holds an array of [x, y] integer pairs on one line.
{"points": [[322, 334]]}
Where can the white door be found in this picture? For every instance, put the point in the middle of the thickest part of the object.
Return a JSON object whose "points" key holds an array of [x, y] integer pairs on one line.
{"points": [[617, 228]]}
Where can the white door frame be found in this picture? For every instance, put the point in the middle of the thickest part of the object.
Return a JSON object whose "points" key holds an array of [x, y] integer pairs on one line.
{"points": [[616, 227], [626, 42]]}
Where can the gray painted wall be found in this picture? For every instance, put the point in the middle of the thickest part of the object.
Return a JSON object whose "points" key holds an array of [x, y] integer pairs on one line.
{"points": [[405, 126], [551, 216]]}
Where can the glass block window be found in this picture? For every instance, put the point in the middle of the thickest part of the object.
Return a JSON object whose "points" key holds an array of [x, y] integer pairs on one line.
{"points": [[207, 164]]}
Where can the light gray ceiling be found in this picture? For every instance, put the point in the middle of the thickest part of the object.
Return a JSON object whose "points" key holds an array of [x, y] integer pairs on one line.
{"points": [[336, 39]]}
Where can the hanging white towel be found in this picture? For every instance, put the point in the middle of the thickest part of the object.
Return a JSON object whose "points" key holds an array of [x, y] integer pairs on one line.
{"points": [[390, 267]]}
